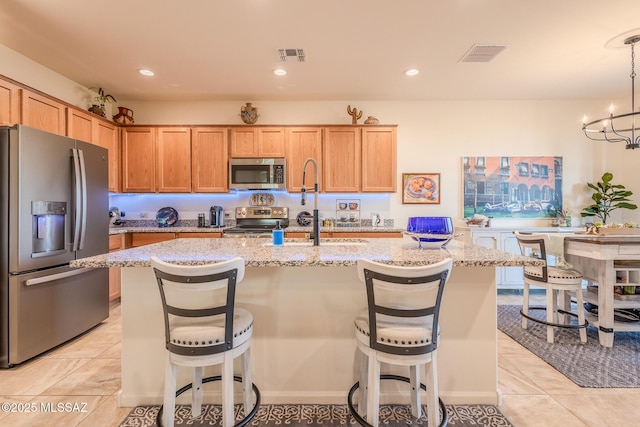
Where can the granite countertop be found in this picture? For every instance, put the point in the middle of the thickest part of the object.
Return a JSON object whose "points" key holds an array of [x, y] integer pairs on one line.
{"points": [[299, 253]]}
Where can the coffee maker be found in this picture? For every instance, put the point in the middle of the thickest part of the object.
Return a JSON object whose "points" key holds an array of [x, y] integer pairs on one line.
{"points": [[216, 216]]}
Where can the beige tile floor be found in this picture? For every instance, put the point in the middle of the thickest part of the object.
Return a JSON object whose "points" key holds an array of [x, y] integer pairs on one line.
{"points": [[76, 385]]}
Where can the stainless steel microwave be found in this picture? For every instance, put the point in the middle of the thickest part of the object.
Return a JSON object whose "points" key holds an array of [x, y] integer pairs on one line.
{"points": [[257, 173]]}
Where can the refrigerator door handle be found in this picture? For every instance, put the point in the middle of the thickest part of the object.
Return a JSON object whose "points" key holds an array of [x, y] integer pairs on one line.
{"points": [[58, 276], [83, 216], [80, 180]]}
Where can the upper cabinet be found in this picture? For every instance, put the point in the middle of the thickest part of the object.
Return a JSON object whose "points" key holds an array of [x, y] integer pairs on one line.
{"points": [[43, 113], [106, 135], [302, 143], [9, 103], [138, 160], [173, 160], [257, 142], [359, 158], [80, 125], [341, 151], [379, 159], [209, 160]]}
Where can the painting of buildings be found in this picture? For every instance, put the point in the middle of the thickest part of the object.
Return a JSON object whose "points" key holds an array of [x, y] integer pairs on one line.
{"points": [[512, 187]]}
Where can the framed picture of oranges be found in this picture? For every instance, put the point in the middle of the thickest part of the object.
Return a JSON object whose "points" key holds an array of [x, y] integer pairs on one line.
{"points": [[421, 188]]}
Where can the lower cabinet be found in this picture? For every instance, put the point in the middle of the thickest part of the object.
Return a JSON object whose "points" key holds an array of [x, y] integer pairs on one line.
{"points": [[116, 243], [506, 277], [141, 239]]}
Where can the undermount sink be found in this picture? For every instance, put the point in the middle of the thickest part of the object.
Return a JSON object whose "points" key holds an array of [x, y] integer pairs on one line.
{"points": [[323, 242]]}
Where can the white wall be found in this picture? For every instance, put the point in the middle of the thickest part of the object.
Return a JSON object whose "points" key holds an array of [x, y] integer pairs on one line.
{"points": [[433, 136]]}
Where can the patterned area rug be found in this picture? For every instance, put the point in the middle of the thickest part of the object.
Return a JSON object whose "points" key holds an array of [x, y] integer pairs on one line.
{"points": [[587, 365], [322, 415]]}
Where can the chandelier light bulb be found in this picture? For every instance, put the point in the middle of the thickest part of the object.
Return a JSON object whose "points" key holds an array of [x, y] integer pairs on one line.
{"points": [[584, 119], [612, 108]]}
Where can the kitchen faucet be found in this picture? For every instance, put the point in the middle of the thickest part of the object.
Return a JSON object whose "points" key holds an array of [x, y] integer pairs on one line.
{"points": [[303, 191]]}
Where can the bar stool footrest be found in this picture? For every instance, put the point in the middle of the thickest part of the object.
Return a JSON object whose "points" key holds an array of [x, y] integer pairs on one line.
{"points": [[559, 325], [236, 378], [363, 422]]}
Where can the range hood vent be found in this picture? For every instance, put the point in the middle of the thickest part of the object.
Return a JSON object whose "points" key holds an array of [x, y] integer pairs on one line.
{"points": [[291, 55], [482, 52]]}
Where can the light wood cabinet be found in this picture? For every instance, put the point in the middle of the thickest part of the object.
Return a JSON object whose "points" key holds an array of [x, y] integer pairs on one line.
{"points": [[257, 142], [116, 243], [341, 159], [141, 239], [379, 159], [80, 125], [9, 103], [173, 160], [106, 135], [196, 235], [209, 160], [42, 113], [138, 160], [300, 144]]}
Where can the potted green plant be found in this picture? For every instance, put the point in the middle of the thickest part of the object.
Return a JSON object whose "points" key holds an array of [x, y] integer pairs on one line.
{"points": [[101, 99], [607, 197]]}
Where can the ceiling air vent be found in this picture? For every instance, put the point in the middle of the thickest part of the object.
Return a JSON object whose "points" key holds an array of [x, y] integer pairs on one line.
{"points": [[482, 52], [291, 55]]}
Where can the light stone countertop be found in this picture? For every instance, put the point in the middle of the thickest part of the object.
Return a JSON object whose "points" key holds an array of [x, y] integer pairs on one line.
{"points": [[299, 253]]}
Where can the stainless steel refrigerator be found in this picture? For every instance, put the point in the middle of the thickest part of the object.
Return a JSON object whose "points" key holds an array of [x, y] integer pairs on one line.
{"points": [[53, 205]]}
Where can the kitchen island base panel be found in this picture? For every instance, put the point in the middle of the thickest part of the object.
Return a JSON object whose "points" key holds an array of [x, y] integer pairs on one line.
{"points": [[303, 344]]}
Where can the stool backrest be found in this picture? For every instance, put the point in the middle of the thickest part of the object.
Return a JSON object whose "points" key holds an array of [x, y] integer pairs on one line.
{"points": [[198, 291], [535, 246], [405, 295]]}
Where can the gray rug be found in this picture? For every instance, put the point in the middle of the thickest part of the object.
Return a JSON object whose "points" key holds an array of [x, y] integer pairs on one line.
{"points": [[587, 365], [323, 415]]}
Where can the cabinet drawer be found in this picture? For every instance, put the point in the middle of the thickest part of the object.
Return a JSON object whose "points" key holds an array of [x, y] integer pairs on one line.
{"points": [[198, 235], [116, 242], [141, 239]]}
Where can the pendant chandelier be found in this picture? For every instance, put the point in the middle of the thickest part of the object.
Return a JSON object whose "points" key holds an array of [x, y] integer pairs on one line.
{"points": [[619, 127]]}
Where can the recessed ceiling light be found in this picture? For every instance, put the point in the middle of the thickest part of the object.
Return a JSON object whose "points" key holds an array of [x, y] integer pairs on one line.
{"points": [[146, 72], [411, 72], [280, 72]]}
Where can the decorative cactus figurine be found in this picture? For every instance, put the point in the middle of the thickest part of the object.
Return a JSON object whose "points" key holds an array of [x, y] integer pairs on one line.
{"points": [[355, 114]]}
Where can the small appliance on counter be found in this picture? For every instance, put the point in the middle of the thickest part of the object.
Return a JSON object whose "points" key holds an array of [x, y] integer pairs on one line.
{"points": [[216, 216], [258, 221], [115, 217]]}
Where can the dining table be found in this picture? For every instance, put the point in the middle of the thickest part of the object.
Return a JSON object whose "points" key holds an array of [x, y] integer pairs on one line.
{"points": [[607, 262]]}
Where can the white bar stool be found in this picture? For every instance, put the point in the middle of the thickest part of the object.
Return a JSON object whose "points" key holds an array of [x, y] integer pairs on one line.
{"points": [[203, 328], [559, 284], [398, 329]]}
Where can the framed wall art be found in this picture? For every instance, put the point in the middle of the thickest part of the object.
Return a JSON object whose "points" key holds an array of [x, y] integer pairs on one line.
{"points": [[512, 186], [421, 188]]}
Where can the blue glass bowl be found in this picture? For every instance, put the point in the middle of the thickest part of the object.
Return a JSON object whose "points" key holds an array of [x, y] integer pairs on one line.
{"points": [[431, 225]]}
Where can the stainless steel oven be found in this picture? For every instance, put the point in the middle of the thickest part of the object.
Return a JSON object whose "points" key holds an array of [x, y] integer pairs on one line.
{"points": [[257, 173], [257, 221]]}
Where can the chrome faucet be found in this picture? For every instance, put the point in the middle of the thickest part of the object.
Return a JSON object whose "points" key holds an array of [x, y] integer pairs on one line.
{"points": [[303, 191]]}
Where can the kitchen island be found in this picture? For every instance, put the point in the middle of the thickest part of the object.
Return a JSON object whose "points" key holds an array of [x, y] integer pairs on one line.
{"points": [[304, 300]]}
